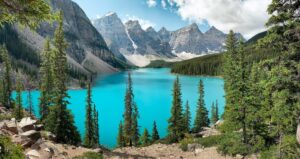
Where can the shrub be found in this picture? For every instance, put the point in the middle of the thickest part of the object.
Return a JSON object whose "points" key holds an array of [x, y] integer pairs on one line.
{"points": [[184, 142], [210, 140], [90, 155], [231, 144], [9, 150]]}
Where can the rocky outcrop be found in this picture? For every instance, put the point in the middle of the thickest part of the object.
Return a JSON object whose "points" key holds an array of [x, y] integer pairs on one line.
{"points": [[298, 131], [164, 35]]}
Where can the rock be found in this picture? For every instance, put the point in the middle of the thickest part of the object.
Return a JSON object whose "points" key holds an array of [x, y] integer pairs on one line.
{"points": [[199, 150], [37, 144], [33, 154], [238, 156], [49, 136], [193, 147], [11, 126], [27, 124], [39, 127], [31, 134]]}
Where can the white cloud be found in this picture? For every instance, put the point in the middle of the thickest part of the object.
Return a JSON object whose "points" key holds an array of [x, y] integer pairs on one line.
{"points": [[143, 22], [164, 4], [151, 3], [245, 16]]}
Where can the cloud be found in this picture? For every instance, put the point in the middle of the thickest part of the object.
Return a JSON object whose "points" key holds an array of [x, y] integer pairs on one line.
{"points": [[164, 4], [245, 16], [143, 22], [151, 3]]}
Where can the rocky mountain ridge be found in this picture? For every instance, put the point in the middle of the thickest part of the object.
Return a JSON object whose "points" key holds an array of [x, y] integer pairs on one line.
{"points": [[130, 40]]}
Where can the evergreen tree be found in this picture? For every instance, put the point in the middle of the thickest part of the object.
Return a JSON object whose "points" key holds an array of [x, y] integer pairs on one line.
{"points": [[217, 110], [214, 117], [128, 112], [121, 139], [175, 127], [28, 13], [89, 137], [7, 88], [18, 109], [155, 135], [29, 99], [131, 115], [135, 127], [187, 118], [96, 126], [145, 138], [201, 119], [46, 81], [60, 121]]}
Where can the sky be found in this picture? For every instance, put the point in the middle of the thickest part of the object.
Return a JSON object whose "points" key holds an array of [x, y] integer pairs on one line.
{"points": [[247, 17]]}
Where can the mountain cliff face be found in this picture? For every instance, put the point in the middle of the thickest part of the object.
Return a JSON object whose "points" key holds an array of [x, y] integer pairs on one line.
{"points": [[147, 43], [115, 35], [84, 41], [188, 39]]}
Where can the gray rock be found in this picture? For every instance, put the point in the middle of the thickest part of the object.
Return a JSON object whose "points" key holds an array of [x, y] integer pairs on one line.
{"points": [[31, 134], [193, 147], [27, 124], [11, 126], [33, 154]]}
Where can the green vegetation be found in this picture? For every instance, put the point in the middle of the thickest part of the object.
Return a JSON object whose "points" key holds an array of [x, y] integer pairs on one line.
{"points": [[187, 118], [129, 133], [90, 155], [155, 134], [6, 99], [18, 108], [201, 119], [159, 64], [175, 127], [60, 121], [145, 138], [91, 137], [10, 150], [214, 113]]}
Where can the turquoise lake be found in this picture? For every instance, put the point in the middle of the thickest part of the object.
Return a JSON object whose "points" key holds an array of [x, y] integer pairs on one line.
{"points": [[152, 93]]}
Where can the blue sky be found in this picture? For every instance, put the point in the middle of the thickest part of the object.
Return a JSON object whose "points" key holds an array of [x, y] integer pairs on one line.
{"points": [[153, 14]]}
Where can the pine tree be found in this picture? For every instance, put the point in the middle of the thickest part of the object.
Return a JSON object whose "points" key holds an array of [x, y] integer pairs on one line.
{"points": [[96, 127], [155, 135], [46, 81], [217, 110], [131, 115], [18, 109], [175, 127], [135, 127], [89, 120], [214, 117], [7, 88], [187, 118], [29, 99], [60, 121], [121, 139], [145, 138], [128, 112], [201, 119]]}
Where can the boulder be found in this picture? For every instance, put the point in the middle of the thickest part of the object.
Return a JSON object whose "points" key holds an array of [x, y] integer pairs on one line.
{"points": [[48, 135], [33, 154], [31, 134], [27, 124], [11, 126]]}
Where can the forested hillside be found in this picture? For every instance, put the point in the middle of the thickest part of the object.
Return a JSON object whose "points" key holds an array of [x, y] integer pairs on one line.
{"points": [[212, 65]]}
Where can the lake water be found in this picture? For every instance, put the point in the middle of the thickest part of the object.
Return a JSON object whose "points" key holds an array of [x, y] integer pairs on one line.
{"points": [[152, 92]]}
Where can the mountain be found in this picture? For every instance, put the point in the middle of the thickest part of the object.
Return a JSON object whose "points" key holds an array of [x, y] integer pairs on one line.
{"points": [[86, 46], [146, 44], [188, 39], [257, 37], [164, 35], [115, 34]]}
